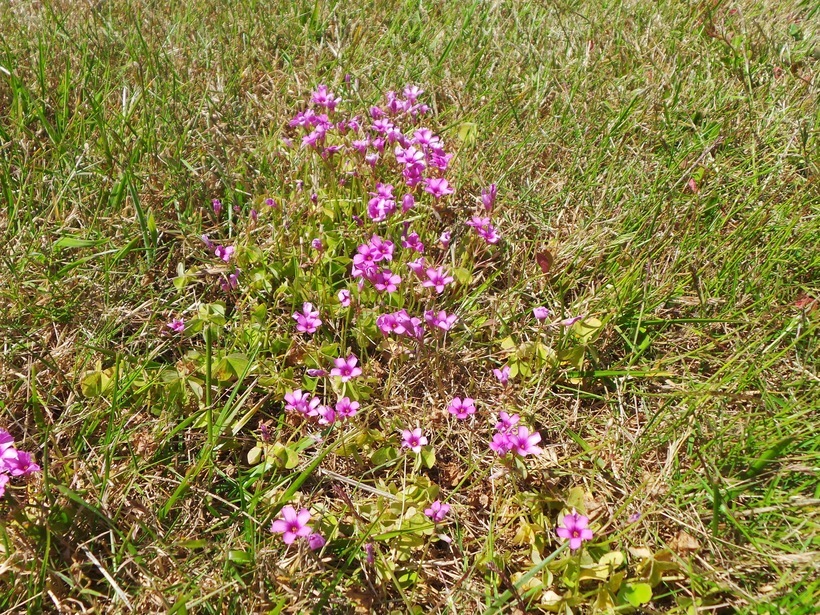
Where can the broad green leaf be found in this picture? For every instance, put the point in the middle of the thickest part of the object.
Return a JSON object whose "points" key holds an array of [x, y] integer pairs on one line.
{"points": [[636, 594]]}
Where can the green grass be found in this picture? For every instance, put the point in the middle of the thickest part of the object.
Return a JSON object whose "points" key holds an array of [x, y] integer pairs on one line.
{"points": [[697, 405]]}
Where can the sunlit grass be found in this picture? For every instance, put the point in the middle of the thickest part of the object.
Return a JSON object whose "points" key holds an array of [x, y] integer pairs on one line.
{"points": [[664, 156]]}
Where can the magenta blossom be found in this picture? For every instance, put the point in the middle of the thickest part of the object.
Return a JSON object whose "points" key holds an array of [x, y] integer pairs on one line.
{"points": [[488, 196], [316, 541], [407, 203], [217, 205], [292, 525], [346, 368], [385, 280], [503, 374], [501, 444], [437, 278], [19, 464], [445, 238], [344, 297], [523, 443], [346, 408], [317, 373], [317, 245], [412, 242], [308, 320], [417, 266], [326, 414], [381, 249], [440, 319], [541, 313], [438, 187], [324, 98], [461, 409], [575, 530], [506, 422], [4, 480], [568, 322], [484, 229], [437, 511], [413, 440], [304, 403], [224, 252], [177, 325], [400, 323]]}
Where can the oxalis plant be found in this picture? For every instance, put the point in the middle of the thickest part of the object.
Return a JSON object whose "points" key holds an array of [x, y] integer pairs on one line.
{"points": [[351, 293]]}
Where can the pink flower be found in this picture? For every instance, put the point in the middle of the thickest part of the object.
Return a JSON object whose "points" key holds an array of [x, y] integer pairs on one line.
{"points": [[488, 196], [523, 443], [385, 280], [344, 297], [4, 480], [297, 401], [316, 541], [407, 203], [501, 444], [308, 320], [437, 186], [441, 319], [217, 205], [317, 373], [437, 278], [230, 282], [326, 414], [568, 322], [400, 323], [506, 422], [17, 463], [224, 252], [445, 238], [413, 242], [484, 229], [541, 313], [417, 266], [177, 325], [502, 374], [461, 409], [324, 98], [413, 440], [381, 249], [382, 205], [292, 525], [575, 530], [6, 441], [270, 202], [346, 408], [317, 245], [437, 511], [346, 368]]}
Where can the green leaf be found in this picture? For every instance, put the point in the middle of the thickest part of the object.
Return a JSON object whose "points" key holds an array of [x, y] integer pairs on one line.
{"points": [[464, 276], [636, 594], [428, 456], [467, 132], [586, 329], [384, 455], [239, 557], [76, 242]]}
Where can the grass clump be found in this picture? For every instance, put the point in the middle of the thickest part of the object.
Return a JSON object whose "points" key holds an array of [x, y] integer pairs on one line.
{"points": [[183, 276]]}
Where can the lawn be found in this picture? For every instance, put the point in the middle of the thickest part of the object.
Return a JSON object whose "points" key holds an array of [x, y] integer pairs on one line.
{"points": [[367, 306]]}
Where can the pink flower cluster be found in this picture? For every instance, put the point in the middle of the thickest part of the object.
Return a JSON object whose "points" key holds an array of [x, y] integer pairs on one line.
{"points": [[365, 265], [13, 462], [516, 440], [400, 323], [311, 406], [307, 321], [293, 525]]}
